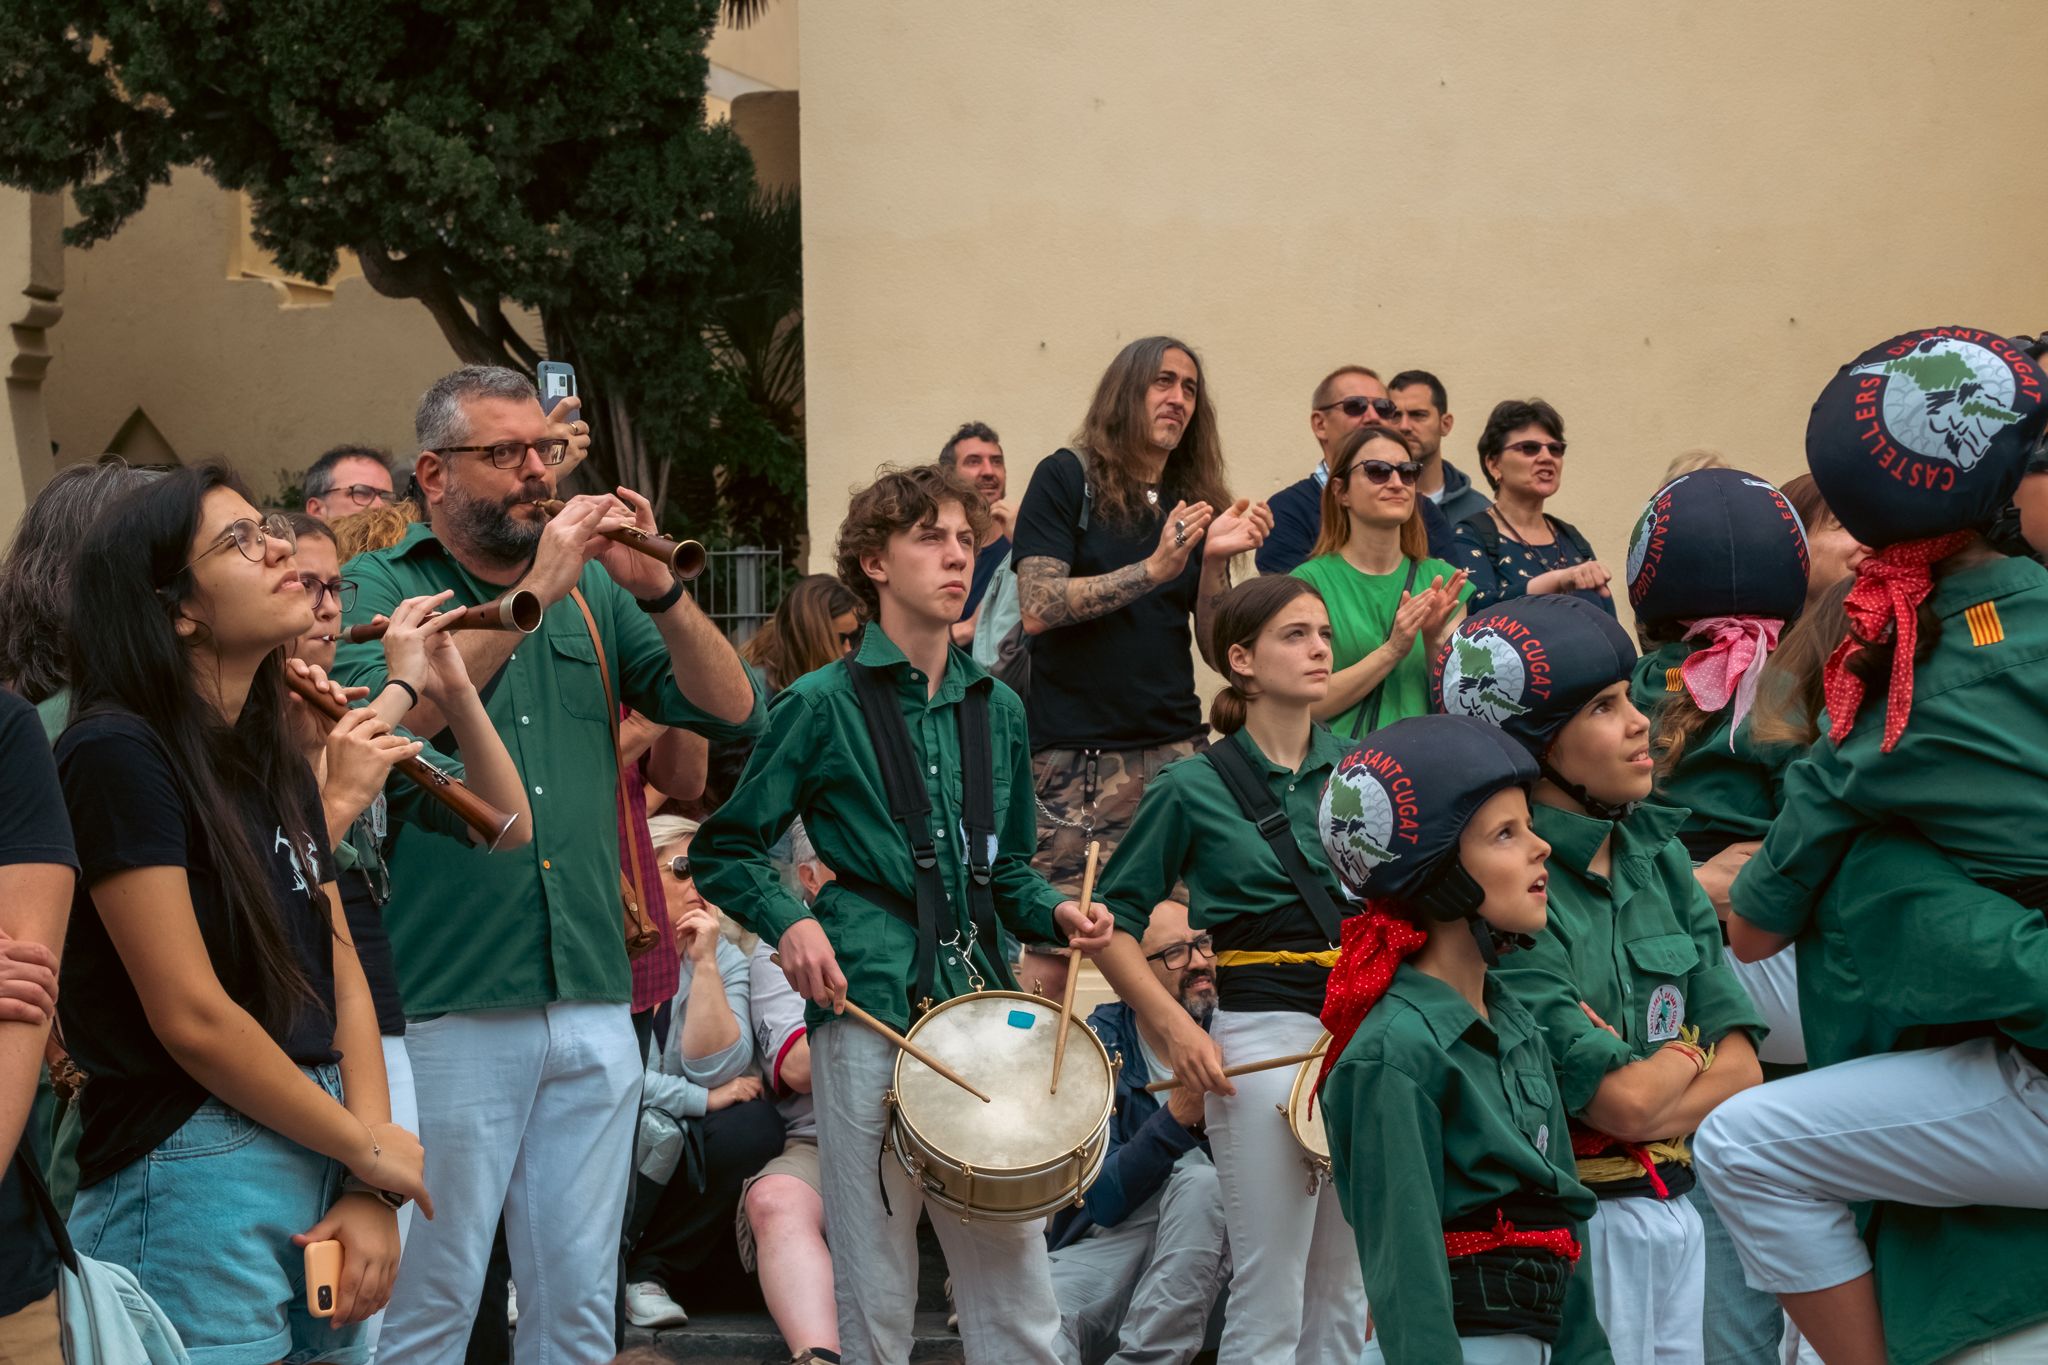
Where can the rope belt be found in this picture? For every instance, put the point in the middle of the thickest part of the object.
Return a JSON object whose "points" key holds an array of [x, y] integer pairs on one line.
{"points": [[1557, 1241], [1636, 1158], [1326, 958]]}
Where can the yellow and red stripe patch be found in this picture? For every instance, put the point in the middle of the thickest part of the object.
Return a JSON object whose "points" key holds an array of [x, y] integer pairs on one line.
{"points": [[1985, 627], [1674, 679]]}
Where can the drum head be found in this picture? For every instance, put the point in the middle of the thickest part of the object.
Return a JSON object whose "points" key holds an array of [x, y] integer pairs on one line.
{"points": [[1308, 1127], [1003, 1042]]}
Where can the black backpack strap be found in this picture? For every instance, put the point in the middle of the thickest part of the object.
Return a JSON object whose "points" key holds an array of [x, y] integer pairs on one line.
{"points": [[909, 805], [1368, 718], [1571, 533], [978, 815], [39, 1196], [1259, 807]]}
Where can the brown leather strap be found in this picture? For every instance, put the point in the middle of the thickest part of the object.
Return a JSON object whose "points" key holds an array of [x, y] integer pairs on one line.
{"points": [[611, 711]]}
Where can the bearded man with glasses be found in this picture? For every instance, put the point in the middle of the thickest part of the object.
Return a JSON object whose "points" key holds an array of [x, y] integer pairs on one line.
{"points": [[349, 478], [513, 965], [1350, 397]]}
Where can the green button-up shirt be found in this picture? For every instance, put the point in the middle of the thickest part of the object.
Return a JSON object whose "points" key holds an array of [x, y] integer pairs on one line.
{"points": [[817, 762], [1436, 1114], [1965, 774], [1641, 946], [1188, 828], [1731, 795], [472, 930]]}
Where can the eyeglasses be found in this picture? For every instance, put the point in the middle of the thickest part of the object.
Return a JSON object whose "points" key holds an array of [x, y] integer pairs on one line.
{"points": [[1534, 448], [361, 494], [1377, 472], [1358, 407], [679, 867], [252, 538], [847, 640], [317, 588], [509, 454], [1175, 955]]}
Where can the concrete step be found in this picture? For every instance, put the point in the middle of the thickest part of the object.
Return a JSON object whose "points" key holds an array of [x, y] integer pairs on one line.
{"points": [[751, 1339]]}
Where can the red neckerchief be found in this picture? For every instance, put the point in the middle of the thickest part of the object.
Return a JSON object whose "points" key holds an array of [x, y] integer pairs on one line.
{"points": [[1374, 943], [1557, 1241], [1884, 604]]}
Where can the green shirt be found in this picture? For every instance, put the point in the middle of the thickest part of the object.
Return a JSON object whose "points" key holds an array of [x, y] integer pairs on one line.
{"points": [[472, 930], [1965, 773], [54, 711], [1642, 946], [1730, 794], [1362, 609], [1435, 1114], [817, 761]]}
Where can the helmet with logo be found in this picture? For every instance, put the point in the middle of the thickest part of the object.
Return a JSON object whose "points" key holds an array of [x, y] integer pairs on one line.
{"points": [[1926, 434], [1717, 542]]}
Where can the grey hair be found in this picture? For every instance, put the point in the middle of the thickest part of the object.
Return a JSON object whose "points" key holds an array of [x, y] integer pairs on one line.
{"points": [[35, 580], [800, 850], [440, 420]]}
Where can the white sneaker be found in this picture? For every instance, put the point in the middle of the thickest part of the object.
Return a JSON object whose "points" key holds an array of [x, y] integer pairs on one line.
{"points": [[648, 1305]]}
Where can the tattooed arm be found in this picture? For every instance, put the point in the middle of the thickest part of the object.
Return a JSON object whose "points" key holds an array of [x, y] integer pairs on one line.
{"points": [[1049, 597]]}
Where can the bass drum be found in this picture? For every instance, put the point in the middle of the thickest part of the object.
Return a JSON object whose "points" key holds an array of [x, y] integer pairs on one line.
{"points": [[1305, 1120], [1027, 1152]]}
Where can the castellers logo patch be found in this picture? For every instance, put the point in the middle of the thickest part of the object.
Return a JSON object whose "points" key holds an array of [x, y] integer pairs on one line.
{"points": [[1666, 1013], [1787, 511], [1484, 677], [1646, 542], [1358, 814], [1943, 398]]}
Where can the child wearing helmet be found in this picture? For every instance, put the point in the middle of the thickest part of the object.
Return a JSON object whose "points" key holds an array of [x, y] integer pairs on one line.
{"points": [[1934, 732], [1647, 1026], [1448, 1140]]}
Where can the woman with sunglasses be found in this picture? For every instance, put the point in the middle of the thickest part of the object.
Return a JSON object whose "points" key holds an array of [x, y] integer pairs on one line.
{"points": [[1273, 906], [1514, 548], [237, 1108], [1391, 606]]}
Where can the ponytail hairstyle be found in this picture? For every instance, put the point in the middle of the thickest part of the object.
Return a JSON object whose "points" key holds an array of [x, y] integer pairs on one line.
{"points": [[1240, 616], [131, 581], [1336, 525]]}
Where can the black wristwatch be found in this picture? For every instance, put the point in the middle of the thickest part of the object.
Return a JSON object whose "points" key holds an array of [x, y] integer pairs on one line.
{"points": [[655, 606]]}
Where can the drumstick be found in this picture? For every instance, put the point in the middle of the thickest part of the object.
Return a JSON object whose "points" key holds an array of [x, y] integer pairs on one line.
{"points": [[1059, 1045], [1241, 1069], [862, 1016]]}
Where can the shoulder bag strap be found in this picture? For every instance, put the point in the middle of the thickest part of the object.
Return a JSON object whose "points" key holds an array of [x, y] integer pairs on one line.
{"points": [[910, 805], [39, 1195], [1259, 807], [1368, 717], [978, 815], [636, 908]]}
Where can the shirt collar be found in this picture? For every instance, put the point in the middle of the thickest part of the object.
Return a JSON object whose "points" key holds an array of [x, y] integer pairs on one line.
{"points": [[1575, 838], [1450, 1016], [877, 650], [1321, 473], [1324, 751], [1959, 591]]}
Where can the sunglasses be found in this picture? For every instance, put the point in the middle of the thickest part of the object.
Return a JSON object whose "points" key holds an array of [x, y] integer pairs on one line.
{"points": [[1358, 407], [679, 867], [317, 588], [509, 454], [1175, 955], [1377, 472], [251, 538], [1534, 448]]}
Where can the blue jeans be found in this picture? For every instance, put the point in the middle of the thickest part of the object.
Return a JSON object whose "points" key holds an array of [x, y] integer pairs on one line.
{"points": [[206, 1223]]}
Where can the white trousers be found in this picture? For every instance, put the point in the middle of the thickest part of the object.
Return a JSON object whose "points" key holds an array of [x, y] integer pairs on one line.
{"points": [[1649, 1262], [1002, 1282], [1940, 1127], [1773, 986], [2028, 1346], [1295, 1293], [529, 1112], [405, 1112], [1503, 1350]]}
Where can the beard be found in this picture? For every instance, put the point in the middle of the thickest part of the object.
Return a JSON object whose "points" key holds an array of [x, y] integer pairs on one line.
{"points": [[487, 525], [1198, 996]]}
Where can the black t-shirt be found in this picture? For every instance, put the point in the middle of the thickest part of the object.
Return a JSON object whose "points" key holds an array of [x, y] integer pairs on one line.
{"points": [[129, 812], [364, 889], [1121, 681], [33, 829]]}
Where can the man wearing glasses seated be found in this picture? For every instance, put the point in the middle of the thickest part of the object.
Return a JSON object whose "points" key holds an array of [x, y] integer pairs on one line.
{"points": [[1350, 397], [1138, 1268], [348, 479]]}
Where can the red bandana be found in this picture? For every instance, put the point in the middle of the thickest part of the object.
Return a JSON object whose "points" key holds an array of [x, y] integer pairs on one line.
{"points": [[1885, 601], [1374, 944], [1557, 1241]]}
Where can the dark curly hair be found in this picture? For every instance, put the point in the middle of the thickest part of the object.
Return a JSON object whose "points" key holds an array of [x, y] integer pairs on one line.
{"points": [[897, 500]]}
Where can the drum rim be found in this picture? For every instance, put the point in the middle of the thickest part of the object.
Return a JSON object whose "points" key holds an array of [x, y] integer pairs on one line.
{"points": [[1307, 1072]]}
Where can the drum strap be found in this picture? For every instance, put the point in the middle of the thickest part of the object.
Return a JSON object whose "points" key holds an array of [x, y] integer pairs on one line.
{"points": [[910, 806], [1259, 807]]}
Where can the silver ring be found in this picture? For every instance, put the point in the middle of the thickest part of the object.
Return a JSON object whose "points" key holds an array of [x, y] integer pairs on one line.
{"points": [[580, 428], [1180, 538], [1180, 528]]}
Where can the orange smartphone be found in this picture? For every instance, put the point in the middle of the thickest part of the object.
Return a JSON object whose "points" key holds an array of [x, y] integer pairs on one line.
{"points": [[323, 1277]]}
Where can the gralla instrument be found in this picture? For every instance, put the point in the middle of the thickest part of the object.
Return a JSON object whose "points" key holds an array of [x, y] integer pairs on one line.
{"points": [[685, 558], [517, 610]]}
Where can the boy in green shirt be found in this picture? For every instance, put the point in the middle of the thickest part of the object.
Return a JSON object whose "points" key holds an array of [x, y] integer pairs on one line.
{"points": [[1627, 979], [1448, 1139], [906, 549]]}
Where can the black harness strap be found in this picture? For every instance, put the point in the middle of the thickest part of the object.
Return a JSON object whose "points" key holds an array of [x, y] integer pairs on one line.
{"points": [[911, 807], [1259, 807]]}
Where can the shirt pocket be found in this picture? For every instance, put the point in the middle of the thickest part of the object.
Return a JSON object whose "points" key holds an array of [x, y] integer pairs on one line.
{"points": [[1666, 955], [1531, 1095], [577, 681]]}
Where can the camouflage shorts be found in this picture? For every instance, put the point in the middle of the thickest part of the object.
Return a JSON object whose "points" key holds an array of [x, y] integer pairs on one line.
{"points": [[1086, 794]]}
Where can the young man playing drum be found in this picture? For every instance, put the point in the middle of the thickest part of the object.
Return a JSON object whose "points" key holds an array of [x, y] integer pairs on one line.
{"points": [[909, 921]]}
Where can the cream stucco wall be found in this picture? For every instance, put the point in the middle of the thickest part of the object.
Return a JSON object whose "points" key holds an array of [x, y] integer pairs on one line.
{"points": [[1673, 222]]}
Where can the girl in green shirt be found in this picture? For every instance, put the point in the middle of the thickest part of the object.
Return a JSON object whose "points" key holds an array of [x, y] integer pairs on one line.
{"points": [[1448, 1138], [1391, 606]]}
